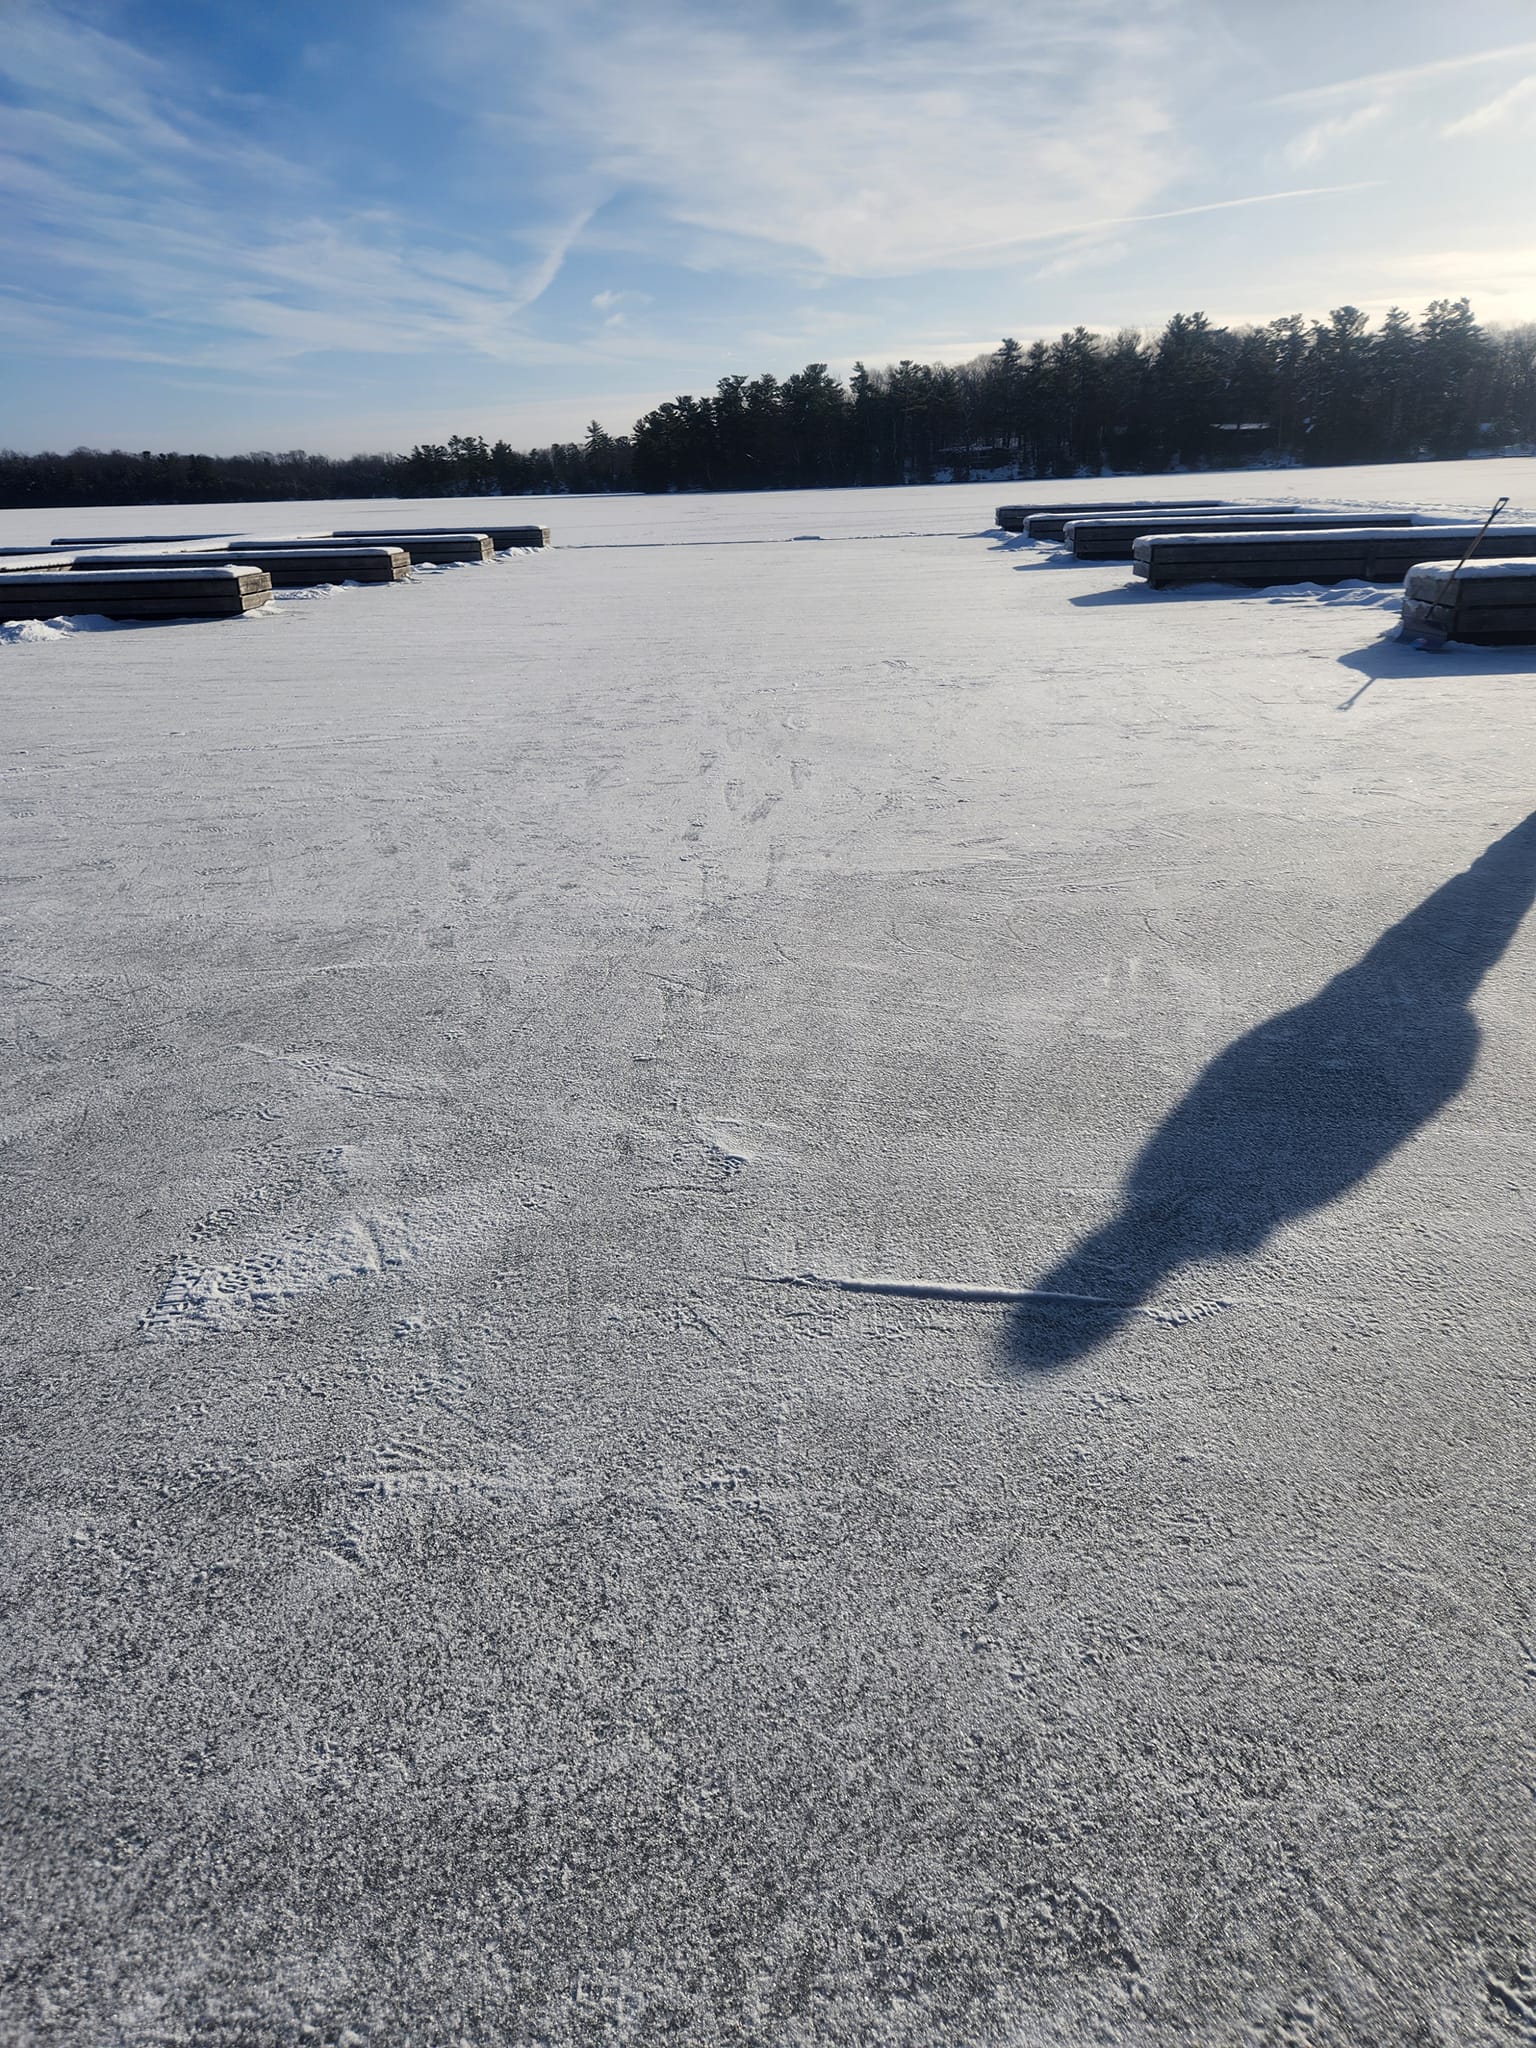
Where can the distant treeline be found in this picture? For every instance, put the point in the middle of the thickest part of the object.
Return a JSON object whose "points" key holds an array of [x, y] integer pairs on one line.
{"points": [[465, 467], [1193, 397]]}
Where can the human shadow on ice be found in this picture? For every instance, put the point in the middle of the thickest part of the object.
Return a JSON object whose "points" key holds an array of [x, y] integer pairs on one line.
{"points": [[1295, 1112]]}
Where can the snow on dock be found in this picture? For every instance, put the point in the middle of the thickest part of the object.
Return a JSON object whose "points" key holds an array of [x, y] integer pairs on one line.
{"points": [[1053, 525], [16, 560], [83, 540]]}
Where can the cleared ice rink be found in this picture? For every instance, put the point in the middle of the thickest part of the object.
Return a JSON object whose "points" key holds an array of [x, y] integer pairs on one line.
{"points": [[467, 1584]]}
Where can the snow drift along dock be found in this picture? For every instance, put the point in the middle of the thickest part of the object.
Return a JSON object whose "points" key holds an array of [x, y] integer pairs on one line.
{"points": [[216, 590]]}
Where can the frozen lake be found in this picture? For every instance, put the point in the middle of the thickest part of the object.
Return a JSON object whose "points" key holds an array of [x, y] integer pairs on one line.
{"points": [[477, 1571]]}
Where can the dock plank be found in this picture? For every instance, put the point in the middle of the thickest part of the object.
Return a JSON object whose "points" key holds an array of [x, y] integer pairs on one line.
{"points": [[124, 540], [217, 590], [500, 536], [1015, 518], [1114, 540], [456, 546], [289, 568]]}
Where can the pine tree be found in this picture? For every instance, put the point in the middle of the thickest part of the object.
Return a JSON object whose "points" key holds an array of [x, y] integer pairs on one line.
{"points": [[1453, 360], [1340, 383], [1190, 386], [1395, 378]]}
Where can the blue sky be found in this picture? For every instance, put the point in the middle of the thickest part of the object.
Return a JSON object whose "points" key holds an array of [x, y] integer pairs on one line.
{"points": [[354, 224]]}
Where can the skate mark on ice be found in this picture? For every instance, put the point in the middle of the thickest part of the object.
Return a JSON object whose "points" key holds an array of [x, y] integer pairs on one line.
{"points": [[347, 1078], [1176, 1314]]}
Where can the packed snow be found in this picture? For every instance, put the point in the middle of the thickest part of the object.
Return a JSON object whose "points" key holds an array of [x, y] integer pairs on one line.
{"points": [[770, 1293], [19, 631]]}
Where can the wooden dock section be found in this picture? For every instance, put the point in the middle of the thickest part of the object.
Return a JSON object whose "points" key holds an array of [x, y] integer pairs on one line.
{"points": [[215, 590], [1053, 525], [1381, 554], [1114, 540], [130, 540], [290, 568], [455, 546], [1016, 518], [1487, 603], [500, 536]]}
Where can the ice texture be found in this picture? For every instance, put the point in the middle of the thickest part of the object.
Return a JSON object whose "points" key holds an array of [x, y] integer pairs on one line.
{"points": [[766, 1292]]}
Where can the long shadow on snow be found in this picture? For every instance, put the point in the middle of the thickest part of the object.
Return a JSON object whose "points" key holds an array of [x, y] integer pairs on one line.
{"points": [[1296, 1111]]}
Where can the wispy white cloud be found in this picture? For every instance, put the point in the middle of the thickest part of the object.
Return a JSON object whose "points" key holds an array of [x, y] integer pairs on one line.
{"points": [[190, 244], [868, 139], [1122, 220], [1402, 93], [1090, 255], [1377, 82], [615, 307], [1506, 272], [1322, 136], [1515, 108]]}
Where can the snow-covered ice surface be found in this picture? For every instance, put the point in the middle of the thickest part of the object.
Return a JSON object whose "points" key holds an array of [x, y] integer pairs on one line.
{"points": [[534, 1512]]}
